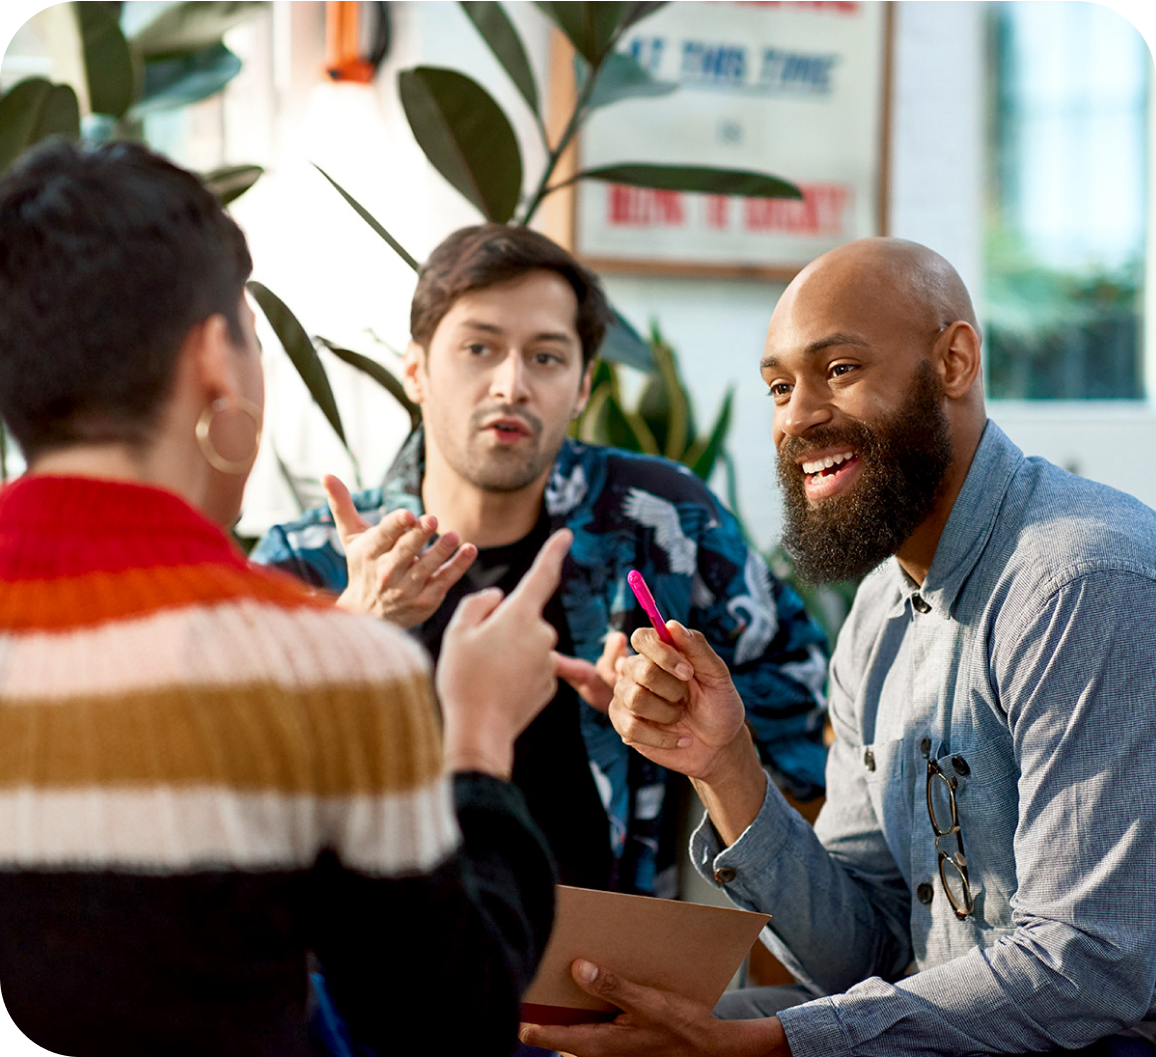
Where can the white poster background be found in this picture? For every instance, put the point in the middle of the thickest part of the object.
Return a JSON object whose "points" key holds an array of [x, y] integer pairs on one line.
{"points": [[793, 89]]}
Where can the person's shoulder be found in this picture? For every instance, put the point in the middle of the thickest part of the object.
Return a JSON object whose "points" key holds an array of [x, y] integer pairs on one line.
{"points": [[660, 476], [368, 502], [313, 532], [1061, 526]]}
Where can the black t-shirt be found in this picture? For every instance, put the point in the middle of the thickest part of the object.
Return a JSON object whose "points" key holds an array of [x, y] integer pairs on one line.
{"points": [[550, 763]]}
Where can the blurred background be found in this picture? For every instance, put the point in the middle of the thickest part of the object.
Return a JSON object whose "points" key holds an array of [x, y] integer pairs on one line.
{"points": [[1014, 138]]}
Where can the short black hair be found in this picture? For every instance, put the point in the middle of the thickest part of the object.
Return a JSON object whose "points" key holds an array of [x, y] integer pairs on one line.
{"points": [[109, 256], [485, 255]]}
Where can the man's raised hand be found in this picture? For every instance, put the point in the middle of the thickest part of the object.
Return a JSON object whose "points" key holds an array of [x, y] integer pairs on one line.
{"points": [[677, 704], [392, 572]]}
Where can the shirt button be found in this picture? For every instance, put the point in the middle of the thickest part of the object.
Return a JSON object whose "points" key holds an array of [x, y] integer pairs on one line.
{"points": [[921, 604], [960, 765], [925, 746], [869, 760], [724, 875], [925, 893]]}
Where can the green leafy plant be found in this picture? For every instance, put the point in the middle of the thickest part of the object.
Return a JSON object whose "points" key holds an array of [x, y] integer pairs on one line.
{"points": [[471, 142], [177, 59], [661, 421]]}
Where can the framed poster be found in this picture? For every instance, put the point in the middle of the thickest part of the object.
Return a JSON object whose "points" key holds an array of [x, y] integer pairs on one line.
{"points": [[799, 90]]}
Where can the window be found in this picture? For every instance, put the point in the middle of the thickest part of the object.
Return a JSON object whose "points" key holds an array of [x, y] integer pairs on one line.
{"points": [[1067, 202]]}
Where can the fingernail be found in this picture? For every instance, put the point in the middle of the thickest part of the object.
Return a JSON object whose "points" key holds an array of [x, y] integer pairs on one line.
{"points": [[586, 971], [683, 743], [683, 670]]}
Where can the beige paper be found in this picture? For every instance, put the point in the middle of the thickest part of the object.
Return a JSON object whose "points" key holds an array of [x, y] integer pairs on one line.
{"points": [[688, 948]]}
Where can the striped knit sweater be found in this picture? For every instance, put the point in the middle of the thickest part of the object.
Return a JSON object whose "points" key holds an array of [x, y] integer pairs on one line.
{"points": [[205, 773]]}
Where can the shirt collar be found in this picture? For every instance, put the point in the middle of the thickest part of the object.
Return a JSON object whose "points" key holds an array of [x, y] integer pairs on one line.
{"points": [[971, 522]]}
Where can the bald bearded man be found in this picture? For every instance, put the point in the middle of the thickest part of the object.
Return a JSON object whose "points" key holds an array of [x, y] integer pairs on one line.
{"points": [[993, 689]]}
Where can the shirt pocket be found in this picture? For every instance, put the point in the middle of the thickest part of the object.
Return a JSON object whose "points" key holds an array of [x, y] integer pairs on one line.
{"points": [[987, 806]]}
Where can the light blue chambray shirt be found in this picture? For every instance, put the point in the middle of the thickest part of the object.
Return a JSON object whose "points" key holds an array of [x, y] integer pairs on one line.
{"points": [[1029, 654]]}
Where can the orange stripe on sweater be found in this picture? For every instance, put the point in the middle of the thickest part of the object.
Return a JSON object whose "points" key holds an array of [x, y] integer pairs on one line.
{"points": [[67, 602]]}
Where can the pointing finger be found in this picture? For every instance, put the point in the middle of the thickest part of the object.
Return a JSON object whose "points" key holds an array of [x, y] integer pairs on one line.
{"points": [[542, 580], [345, 516]]}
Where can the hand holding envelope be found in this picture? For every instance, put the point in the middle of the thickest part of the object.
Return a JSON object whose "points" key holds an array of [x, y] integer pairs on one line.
{"points": [[683, 954]]}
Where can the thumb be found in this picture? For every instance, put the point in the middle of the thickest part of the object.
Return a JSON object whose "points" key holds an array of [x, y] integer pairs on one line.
{"points": [[708, 666], [596, 981], [536, 587], [345, 516], [573, 669], [586, 680], [475, 609], [613, 650]]}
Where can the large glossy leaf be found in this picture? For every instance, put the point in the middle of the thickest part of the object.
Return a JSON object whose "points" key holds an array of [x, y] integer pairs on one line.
{"points": [[704, 179], [702, 457], [187, 79], [623, 344], [186, 28], [231, 181], [607, 421], [665, 405], [382, 375], [369, 218], [32, 110], [492, 22], [295, 341], [641, 11], [108, 62], [590, 27], [466, 137], [621, 77]]}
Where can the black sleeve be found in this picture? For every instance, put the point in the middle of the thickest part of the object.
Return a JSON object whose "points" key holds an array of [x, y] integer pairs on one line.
{"points": [[445, 955]]}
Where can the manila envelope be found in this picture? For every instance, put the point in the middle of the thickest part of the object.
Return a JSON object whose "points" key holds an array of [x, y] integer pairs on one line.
{"points": [[687, 948]]}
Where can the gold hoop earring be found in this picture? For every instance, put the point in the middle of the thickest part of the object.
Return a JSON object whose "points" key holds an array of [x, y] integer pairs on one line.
{"points": [[214, 458]]}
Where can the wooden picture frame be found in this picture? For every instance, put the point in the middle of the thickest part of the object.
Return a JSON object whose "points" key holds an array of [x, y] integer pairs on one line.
{"points": [[747, 71]]}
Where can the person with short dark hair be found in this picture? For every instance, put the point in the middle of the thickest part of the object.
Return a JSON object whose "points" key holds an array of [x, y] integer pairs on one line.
{"points": [[505, 327], [978, 880], [487, 255], [209, 776]]}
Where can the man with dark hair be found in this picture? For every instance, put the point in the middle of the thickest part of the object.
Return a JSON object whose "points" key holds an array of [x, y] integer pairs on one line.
{"points": [[979, 878], [505, 327]]}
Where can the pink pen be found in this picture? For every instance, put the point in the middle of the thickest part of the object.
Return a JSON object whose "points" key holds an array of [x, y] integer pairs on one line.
{"points": [[646, 600]]}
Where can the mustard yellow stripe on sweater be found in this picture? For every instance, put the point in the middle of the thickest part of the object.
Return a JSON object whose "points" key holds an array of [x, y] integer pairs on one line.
{"points": [[330, 740]]}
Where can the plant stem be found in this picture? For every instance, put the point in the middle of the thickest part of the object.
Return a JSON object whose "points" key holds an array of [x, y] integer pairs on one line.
{"points": [[568, 134], [572, 126]]}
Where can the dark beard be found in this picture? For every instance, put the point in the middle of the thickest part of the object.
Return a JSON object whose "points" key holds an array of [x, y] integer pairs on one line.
{"points": [[904, 460]]}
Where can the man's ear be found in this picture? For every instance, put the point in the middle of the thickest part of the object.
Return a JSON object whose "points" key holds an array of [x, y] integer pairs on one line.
{"points": [[413, 368], [583, 391], [956, 359]]}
